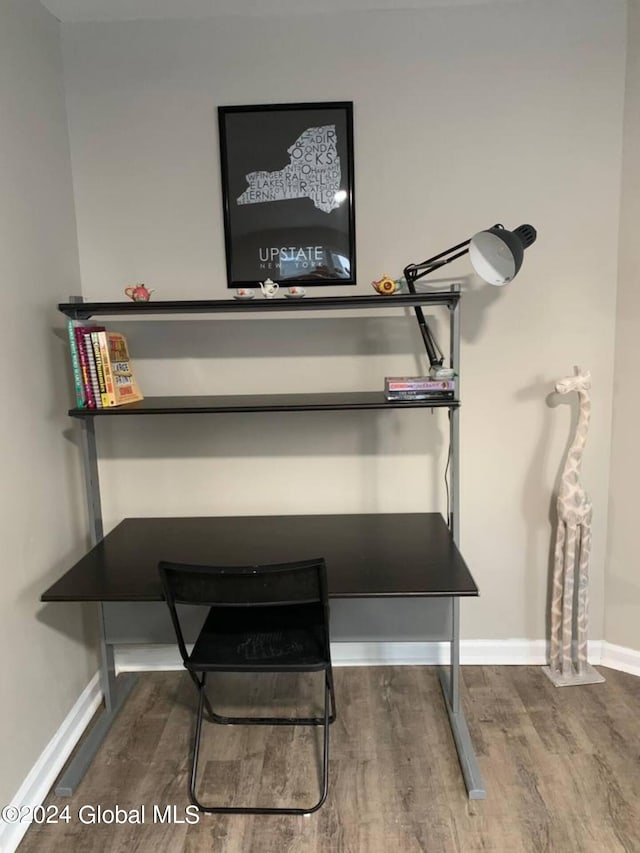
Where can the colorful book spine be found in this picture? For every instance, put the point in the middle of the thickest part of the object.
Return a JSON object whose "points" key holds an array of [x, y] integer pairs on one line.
{"points": [[125, 387], [106, 369], [84, 368], [91, 361], [75, 365], [418, 383], [419, 395], [97, 357]]}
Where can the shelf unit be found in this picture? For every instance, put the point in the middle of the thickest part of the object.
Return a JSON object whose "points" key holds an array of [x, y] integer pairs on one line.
{"points": [[265, 402], [356, 400], [77, 309]]}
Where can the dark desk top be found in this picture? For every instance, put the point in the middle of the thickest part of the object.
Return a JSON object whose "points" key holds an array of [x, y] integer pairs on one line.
{"points": [[377, 555]]}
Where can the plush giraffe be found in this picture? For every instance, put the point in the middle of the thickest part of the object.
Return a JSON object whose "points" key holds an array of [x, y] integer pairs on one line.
{"points": [[572, 550]]}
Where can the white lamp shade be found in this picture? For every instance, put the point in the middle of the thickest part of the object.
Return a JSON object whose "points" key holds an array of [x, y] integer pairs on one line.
{"points": [[492, 258]]}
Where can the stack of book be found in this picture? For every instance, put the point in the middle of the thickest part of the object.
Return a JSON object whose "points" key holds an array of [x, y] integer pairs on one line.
{"points": [[102, 371], [419, 388]]}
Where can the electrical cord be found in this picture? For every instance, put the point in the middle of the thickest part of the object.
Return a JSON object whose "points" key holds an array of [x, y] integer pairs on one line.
{"points": [[446, 474]]}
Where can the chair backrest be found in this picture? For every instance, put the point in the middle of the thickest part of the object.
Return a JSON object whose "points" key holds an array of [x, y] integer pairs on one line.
{"points": [[241, 586], [275, 585]]}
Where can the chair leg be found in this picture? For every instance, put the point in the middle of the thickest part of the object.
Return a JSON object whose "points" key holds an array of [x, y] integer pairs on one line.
{"points": [[259, 810], [196, 746], [200, 685], [332, 691], [328, 696]]}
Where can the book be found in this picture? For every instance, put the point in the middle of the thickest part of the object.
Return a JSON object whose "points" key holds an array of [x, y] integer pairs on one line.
{"points": [[109, 399], [78, 380], [91, 363], [402, 384], [90, 402], [99, 368], [419, 395], [125, 387]]}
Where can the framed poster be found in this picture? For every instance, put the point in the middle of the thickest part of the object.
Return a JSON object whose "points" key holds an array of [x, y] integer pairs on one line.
{"points": [[287, 189]]}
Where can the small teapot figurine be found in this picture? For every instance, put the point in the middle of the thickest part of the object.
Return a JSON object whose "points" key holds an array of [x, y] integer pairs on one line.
{"points": [[139, 293], [269, 288], [385, 286]]}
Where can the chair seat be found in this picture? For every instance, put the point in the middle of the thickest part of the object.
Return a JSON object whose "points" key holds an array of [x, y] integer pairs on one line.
{"points": [[243, 638]]}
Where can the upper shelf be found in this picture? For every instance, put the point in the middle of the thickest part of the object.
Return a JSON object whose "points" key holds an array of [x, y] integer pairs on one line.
{"points": [[83, 310]]}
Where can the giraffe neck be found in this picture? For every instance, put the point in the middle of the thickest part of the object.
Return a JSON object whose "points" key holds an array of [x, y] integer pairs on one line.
{"points": [[574, 455]]}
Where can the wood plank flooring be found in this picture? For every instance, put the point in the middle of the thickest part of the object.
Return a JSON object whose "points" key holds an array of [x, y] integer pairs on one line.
{"points": [[561, 766]]}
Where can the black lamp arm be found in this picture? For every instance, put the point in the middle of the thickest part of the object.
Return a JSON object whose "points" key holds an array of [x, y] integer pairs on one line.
{"points": [[412, 273], [433, 351]]}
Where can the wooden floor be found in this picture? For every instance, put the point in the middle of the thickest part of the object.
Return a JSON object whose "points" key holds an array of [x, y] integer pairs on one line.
{"points": [[561, 766]]}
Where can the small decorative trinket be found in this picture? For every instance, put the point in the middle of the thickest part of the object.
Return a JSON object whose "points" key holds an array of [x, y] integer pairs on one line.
{"points": [[139, 293], [385, 286], [295, 292], [269, 288]]}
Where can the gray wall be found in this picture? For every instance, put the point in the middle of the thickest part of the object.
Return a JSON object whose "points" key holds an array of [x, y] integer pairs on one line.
{"points": [[464, 116], [623, 570], [44, 659]]}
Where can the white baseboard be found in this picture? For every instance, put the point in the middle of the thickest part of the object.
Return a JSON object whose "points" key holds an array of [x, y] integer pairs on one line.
{"points": [[44, 772], [136, 658], [621, 658]]}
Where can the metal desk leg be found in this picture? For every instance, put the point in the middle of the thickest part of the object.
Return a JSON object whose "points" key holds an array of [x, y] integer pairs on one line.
{"points": [[450, 679], [87, 750], [115, 694], [450, 683]]}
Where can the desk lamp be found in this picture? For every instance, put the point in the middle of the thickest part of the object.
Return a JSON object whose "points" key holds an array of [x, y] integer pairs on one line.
{"points": [[495, 254]]}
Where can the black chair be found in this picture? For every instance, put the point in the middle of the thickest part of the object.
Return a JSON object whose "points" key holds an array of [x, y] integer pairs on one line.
{"points": [[271, 618]]}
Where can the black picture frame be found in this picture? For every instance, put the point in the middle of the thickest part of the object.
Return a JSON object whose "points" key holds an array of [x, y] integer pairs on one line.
{"points": [[288, 194]]}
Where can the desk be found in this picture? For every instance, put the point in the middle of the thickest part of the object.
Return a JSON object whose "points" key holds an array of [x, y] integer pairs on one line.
{"points": [[367, 556]]}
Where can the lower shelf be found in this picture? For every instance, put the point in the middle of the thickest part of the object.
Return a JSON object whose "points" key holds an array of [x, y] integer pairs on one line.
{"points": [[347, 400]]}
